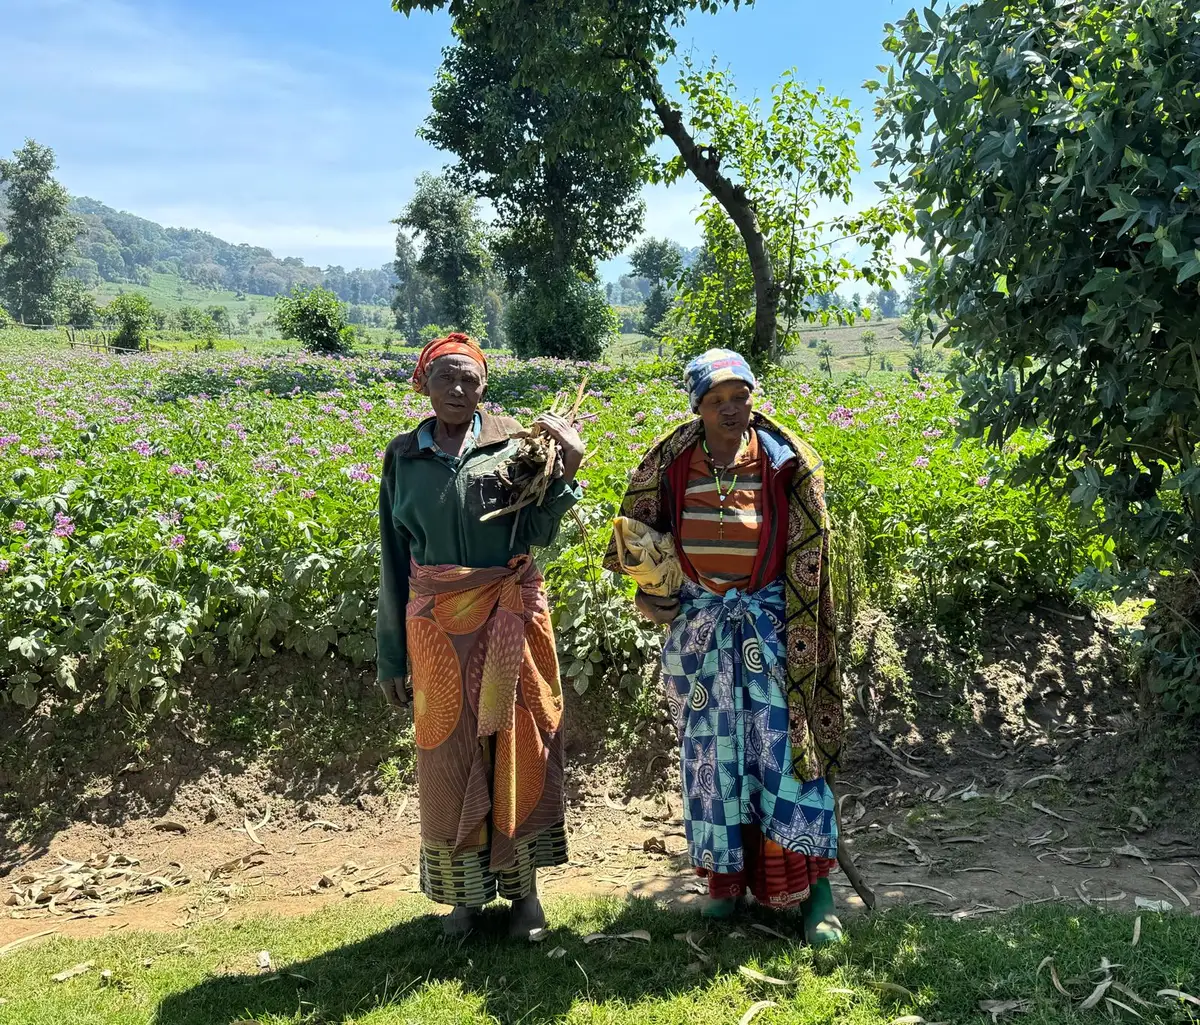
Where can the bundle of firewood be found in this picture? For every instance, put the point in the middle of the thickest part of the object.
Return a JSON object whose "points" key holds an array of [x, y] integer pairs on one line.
{"points": [[537, 461]]}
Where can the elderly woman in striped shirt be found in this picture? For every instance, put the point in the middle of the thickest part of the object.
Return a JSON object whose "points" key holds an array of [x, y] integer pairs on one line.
{"points": [[750, 663]]}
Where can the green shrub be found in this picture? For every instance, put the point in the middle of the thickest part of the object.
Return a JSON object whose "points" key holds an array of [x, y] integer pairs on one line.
{"points": [[316, 318], [133, 317], [567, 317]]}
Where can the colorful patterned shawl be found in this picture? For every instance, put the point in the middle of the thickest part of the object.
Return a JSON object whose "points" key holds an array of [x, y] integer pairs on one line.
{"points": [[814, 689]]}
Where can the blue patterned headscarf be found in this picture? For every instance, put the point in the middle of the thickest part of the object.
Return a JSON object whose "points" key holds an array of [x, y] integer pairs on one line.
{"points": [[715, 367]]}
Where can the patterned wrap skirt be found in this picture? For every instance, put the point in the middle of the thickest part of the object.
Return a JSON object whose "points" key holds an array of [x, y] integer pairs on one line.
{"points": [[751, 825], [488, 709]]}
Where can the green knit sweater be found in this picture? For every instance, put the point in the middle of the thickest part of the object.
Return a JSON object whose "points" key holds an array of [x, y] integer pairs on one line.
{"points": [[429, 512]]}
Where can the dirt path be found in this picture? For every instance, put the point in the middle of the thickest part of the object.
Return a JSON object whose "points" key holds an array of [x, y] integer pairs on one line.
{"points": [[967, 789], [970, 845]]}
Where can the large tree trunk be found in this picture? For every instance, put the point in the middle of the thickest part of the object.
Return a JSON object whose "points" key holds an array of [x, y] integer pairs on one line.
{"points": [[706, 166]]}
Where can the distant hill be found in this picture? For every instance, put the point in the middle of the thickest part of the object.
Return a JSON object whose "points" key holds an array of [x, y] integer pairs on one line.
{"points": [[115, 246]]}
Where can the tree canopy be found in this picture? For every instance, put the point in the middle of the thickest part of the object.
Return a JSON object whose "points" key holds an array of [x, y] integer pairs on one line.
{"points": [[610, 52], [40, 230], [454, 253], [1051, 149]]}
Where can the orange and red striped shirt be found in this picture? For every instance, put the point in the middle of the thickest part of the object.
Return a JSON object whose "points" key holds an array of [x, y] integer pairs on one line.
{"points": [[720, 536]]}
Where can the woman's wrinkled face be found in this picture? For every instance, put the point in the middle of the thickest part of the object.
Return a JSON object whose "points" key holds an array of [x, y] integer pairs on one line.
{"points": [[456, 385], [725, 410]]}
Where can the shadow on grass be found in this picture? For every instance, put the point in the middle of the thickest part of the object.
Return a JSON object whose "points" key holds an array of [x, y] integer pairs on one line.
{"points": [[896, 964]]}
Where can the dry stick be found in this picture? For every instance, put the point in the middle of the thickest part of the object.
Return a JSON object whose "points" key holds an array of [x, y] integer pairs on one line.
{"points": [[846, 862]]}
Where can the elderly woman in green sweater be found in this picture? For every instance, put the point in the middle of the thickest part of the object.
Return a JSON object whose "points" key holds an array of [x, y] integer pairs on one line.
{"points": [[464, 633]]}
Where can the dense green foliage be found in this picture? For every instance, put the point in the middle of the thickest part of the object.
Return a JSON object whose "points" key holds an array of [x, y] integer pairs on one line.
{"points": [[790, 159], [561, 314], [555, 208], [133, 317], [1052, 151], [660, 262], [454, 253], [40, 232], [163, 508], [316, 318]]}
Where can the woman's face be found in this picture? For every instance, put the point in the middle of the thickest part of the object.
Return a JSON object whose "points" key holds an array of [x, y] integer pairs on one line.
{"points": [[456, 385], [725, 410]]}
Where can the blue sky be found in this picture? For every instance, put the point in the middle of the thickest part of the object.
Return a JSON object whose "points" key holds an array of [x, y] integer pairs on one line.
{"points": [[292, 125]]}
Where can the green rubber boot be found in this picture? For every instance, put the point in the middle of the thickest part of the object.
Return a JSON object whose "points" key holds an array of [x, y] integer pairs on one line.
{"points": [[821, 924], [719, 909]]}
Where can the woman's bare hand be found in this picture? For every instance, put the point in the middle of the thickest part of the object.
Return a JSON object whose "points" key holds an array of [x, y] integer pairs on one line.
{"points": [[396, 691], [570, 444], [658, 610]]}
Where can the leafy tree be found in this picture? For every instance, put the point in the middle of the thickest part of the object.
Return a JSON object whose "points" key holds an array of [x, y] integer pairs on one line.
{"points": [[493, 319], [189, 319], [74, 303], [244, 318], [431, 331], [568, 317], [870, 347], [413, 301], [660, 262], [825, 357], [887, 302], [1052, 151], [611, 52], [790, 156], [557, 209], [316, 318], [454, 250], [5, 319], [133, 316], [220, 317], [41, 233]]}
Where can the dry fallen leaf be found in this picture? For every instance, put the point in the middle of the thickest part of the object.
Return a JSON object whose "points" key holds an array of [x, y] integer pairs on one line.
{"points": [[1112, 1002], [899, 762], [1178, 995], [922, 886], [750, 973], [1130, 993], [26, 939], [538, 935], [1129, 851], [1047, 811], [998, 1008], [556, 953], [71, 973], [1186, 903], [637, 934], [696, 947], [1097, 994], [1137, 930], [1161, 906], [755, 1010], [264, 961], [769, 931]]}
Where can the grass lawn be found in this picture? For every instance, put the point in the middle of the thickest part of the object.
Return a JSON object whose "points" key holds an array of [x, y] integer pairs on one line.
{"points": [[379, 965]]}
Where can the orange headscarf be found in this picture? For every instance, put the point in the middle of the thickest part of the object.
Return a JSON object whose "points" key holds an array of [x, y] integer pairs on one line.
{"points": [[456, 344]]}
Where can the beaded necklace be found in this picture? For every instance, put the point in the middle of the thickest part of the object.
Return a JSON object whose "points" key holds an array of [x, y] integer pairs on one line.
{"points": [[721, 496]]}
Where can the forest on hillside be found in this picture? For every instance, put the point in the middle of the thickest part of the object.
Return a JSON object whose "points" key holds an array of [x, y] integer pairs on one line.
{"points": [[121, 247]]}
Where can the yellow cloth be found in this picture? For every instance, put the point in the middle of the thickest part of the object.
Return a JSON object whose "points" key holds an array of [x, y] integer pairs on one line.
{"points": [[648, 557]]}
